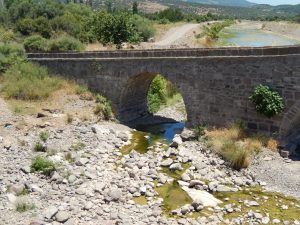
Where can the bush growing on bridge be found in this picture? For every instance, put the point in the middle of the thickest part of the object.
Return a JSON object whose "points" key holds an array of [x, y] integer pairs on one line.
{"points": [[267, 102], [65, 43]]}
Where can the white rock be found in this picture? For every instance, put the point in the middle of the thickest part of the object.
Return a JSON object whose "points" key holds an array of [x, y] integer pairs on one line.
{"points": [[265, 220], [203, 197], [50, 212], [276, 221], [166, 162]]}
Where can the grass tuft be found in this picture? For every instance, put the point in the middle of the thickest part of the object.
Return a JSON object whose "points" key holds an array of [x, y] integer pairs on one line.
{"points": [[23, 207], [44, 135], [43, 165]]}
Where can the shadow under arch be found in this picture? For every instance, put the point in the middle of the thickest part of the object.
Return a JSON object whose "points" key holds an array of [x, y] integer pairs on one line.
{"points": [[133, 107], [289, 133]]}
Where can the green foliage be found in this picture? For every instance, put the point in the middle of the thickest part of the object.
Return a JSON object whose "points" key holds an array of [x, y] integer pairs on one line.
{"points": [[39, 147], [143, 26], [23, 207], [44, 135], [77, 146], [115, 28], [214, 30], [43, 165], [135, 8], [157, 94], [39, 25], [28, 81], [6, 35], [267, 101], [9, 55], [35, 43], [171, 14], [199, 131], [65, 43], [103, 108]]}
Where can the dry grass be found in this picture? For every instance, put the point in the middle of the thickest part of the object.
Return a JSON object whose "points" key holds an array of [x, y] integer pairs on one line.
{"points": [[236, 146]]}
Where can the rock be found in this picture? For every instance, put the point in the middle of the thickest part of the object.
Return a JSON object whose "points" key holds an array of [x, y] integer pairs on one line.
{"points": [[193, 183], [88, 205], [17, 188], [252, 203], [11, 198], [185, 177], [143, 189], [284, 153], [25, 169], [123, 136], [35, 188], [81, 162], [187, 135], [223, 188], [275, 221], [166, 162], [185, 209], [62, 216], [296, 222], [176, 141], [284, 207], [175, 166], [265, 220], [202, 197], [257, 215], [7, 144], [72, 178], [100, 129], [267, 158], [115, 194], [50, 212]]}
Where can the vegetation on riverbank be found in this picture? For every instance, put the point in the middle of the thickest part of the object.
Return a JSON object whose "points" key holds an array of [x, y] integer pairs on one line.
{"points": [[162, 93], [236, 146]]}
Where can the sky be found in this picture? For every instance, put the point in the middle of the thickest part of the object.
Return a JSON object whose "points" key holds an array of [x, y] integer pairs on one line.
{"points": [[276, 2]]}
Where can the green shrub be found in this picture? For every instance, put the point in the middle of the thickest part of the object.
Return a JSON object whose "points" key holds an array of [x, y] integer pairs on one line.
{"points": [[199, 131], [23, 207], [143, 26], [35, 43], [28, 81], [104, 110], [171, 14], [65, 43], [43, 165], [9, 55], [44, 135], [6, 35], [267, 101], [157, 94], [39, 147]]}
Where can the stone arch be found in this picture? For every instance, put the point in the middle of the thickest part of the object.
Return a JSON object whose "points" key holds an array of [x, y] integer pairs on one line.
{"points": [[290, 122], [133, 98]]}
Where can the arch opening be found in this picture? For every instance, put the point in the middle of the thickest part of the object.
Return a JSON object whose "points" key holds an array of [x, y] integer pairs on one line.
{"points": [[153, 102]]}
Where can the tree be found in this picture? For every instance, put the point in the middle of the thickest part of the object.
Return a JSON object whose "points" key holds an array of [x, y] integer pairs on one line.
{"points": [[115, 28], [135, 7]]}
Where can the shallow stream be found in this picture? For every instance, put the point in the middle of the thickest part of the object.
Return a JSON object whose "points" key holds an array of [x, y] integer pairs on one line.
{"points": [[253, 37]]}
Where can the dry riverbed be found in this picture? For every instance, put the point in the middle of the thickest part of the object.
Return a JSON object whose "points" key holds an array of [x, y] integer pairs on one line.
{"points": [[107, 174]]}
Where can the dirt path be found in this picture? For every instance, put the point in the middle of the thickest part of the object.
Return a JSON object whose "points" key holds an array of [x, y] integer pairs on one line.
{"points": [[175, 34]]}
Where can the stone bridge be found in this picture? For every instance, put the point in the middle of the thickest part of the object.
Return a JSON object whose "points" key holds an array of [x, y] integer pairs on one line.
{"points": [[215, 83]]}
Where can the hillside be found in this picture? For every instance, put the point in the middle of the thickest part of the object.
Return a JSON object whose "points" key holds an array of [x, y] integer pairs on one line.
{"points": [[238, 3]]}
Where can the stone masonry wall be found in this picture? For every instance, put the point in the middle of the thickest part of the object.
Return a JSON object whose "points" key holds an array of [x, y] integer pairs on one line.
{"points": [[215, 88]]}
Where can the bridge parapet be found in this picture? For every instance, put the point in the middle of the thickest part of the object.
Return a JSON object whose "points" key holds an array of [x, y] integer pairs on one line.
{"points": [[160, 53]]}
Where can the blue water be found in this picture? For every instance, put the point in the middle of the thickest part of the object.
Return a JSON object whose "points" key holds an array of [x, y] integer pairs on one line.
{"points": [[164, 131], [255, 38]]}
